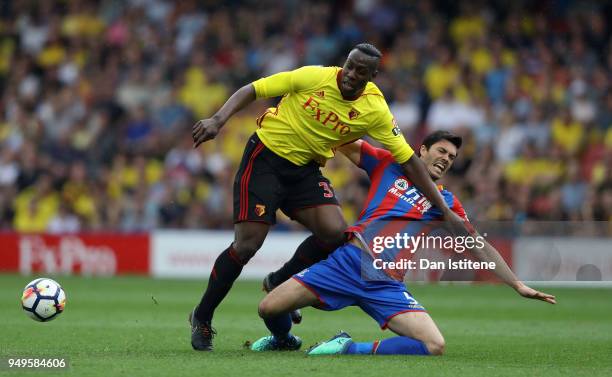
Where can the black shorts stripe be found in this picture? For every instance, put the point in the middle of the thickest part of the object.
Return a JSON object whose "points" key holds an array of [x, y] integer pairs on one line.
{"points": [[244, 183]]}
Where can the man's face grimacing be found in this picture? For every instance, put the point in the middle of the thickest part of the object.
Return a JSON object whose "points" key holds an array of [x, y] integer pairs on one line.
{"points": [[439, 158], [357, 71]]}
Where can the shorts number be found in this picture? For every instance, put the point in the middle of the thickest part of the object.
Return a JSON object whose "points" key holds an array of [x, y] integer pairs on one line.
{"points": [[328, 191]]}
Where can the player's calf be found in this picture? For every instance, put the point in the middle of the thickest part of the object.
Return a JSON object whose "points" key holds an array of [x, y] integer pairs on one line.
{"points": [[343, 344], [418, 335]]}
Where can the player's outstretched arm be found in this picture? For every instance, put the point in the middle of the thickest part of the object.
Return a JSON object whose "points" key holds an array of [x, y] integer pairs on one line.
{"points": [[207, 129], [489, 254]]}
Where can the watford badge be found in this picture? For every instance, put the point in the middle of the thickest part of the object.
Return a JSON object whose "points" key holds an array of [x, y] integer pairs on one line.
{"points": [[353, 114], [320, 94], [260, 209]]}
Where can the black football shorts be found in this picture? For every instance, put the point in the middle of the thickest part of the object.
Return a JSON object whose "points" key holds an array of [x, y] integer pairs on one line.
{"points": [[266, 182]]}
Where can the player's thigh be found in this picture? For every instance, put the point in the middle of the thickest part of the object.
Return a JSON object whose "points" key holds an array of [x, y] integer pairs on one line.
{"points": [[326, 222], [312, 203], [418, 325], [258, 190], [286, 297]]}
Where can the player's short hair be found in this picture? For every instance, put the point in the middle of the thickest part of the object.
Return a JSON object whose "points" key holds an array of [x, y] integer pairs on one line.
{"points": [[369, 49], [436, 136]]}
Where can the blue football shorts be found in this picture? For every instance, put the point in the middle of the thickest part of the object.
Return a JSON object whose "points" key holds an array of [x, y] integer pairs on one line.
{"points": [[337, 283]]}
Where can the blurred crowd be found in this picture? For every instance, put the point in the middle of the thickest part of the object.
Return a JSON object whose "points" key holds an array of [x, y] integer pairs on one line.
{"points": [[98, 98]]}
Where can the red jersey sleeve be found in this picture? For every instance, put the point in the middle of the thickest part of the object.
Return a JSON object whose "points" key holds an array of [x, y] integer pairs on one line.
{"points": [[371, 157]]}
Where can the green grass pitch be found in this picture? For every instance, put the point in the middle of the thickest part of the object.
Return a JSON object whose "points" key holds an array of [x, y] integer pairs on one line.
{"points": [[113, 327]]}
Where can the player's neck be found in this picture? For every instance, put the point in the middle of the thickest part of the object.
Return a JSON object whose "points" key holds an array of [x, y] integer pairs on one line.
{"points": [[351, 96]]}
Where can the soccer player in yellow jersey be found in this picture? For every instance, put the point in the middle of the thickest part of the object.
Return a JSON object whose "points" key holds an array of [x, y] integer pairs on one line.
{"points": [[321, 108]]}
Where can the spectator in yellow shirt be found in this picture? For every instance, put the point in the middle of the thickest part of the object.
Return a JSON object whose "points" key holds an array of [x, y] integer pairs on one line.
{"points": [[567, 133]]}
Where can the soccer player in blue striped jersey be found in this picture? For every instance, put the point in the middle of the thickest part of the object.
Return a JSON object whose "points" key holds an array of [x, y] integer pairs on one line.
{"points": [[341, 280]]}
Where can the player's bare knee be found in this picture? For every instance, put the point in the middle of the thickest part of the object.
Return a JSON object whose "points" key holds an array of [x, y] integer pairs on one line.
{"points": [[436, 346], [266, 308], [247, 247], [262, 309]]}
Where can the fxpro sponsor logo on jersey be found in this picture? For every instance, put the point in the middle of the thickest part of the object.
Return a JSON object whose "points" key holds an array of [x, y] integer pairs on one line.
{"points": [[410, 195], [327, 118]]}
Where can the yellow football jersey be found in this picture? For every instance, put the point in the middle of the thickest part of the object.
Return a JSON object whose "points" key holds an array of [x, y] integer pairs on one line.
{"points": [[313, 117]]}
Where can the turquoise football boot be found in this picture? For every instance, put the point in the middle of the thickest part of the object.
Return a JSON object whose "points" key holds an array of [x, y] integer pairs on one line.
{"points": [[337, 345], [270, 343]]}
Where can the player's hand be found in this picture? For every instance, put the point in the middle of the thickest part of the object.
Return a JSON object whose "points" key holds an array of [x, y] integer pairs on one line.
{"points": [[529, 292], [204, 130]]}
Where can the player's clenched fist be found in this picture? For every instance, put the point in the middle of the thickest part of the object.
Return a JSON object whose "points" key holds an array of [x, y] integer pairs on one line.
{"points": [[205, 129]]}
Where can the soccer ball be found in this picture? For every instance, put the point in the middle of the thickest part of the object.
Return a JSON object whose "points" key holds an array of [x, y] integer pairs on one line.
{"points": [[43, 299]]}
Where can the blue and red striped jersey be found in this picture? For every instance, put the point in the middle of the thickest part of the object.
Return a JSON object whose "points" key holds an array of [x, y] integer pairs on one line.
{"points": [[394, 205]]}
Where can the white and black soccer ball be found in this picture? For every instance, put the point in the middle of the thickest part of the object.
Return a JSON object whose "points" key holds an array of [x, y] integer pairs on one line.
{"points": [[43, 299]]}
